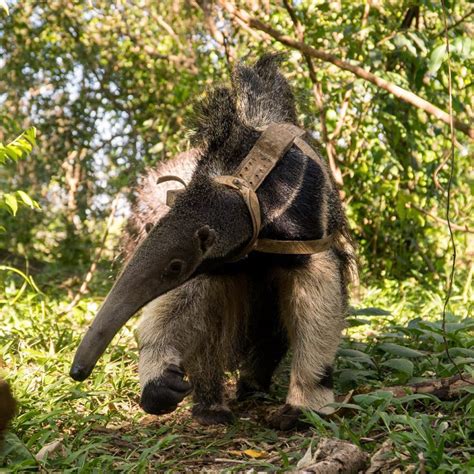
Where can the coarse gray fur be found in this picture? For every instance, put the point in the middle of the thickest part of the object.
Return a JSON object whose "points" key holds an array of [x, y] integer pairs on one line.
{"points": [[149, 197]]}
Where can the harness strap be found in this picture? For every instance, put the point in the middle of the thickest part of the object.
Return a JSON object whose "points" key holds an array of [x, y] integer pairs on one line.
{"points": [[270, 147], [251, 199], [172, 194], [294, 247]]}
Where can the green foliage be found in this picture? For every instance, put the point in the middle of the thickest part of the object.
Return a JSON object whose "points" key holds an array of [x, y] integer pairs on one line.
{"points": [[18, 149], [412, 424], [4, 6], [99, 425]]}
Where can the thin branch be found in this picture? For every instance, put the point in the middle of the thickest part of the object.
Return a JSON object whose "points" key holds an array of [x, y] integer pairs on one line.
{"points": [[448, 200], [461, 228], [445, 388], [365, 15], [249, 30], [456, 23], [402, 94], [439, 168], [342, 115], [218, 36], [388, 37]]}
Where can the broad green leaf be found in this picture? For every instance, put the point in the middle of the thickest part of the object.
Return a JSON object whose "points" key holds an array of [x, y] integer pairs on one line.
{"points": [[367, 399], [30, 135], [26, 199], [353, 353], [417, 40], [351, 406], [436, 58], [354, 322], [400, 365], [13, 447], [464, 360], [401, 41], [20, 147], [461, 351], [11, 153], [11, 202], [414, 396], [348, 376], [400, 351]]}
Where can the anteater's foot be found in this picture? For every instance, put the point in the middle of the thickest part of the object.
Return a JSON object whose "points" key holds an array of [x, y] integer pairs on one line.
{"points": [[212, 415], [162, 394], [288, 418]]}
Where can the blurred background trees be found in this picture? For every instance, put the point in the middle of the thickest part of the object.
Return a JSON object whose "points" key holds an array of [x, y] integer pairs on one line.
{"points": [[109, 86]]}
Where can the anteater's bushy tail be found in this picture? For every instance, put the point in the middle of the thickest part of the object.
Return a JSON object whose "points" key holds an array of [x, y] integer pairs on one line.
{"points": [[259, 94], [263, 94]]}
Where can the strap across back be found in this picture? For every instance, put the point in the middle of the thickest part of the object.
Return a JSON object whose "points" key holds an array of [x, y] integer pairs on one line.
{"points": [[270, 147]]}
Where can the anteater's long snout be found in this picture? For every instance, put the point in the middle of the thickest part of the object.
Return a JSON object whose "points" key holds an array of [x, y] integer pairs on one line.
{"points": [[158, 265]]}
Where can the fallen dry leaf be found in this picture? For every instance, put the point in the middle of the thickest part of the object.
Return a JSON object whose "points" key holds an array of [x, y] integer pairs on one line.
{"points": [[253, 453], [55, 447], [333, 456], [306, 460], [235, 452]]}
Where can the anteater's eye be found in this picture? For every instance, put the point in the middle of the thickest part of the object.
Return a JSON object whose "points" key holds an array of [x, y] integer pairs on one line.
{"points": [[174, 268]]}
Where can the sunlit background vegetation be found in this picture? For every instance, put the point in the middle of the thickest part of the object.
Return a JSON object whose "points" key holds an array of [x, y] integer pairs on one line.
{"points": [[108, 87]]}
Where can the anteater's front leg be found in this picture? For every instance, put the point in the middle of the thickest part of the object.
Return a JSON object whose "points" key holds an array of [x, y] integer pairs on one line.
{"points": [[190, 330], [162, 339], [313, 305]]}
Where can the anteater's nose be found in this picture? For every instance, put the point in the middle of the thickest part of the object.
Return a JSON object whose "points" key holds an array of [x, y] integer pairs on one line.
{"points": [[79, 372]]}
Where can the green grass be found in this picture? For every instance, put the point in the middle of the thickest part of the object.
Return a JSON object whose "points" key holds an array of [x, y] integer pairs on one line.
{"points": [[101, 428]]}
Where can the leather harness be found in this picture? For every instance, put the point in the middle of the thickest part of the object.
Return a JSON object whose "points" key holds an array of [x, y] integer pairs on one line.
{"points": [[270, 147]]}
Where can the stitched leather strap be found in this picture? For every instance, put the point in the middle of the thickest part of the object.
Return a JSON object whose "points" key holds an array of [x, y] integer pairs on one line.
{"points": [[251, 200], [172, 194], [170, 177], [270, 147], [294, 247]]}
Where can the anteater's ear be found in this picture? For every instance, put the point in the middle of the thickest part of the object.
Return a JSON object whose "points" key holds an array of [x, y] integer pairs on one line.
{"points": [[206, 237]]}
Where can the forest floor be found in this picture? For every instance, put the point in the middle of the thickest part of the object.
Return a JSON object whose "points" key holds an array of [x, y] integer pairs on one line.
{"points": [[395, 338]]}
